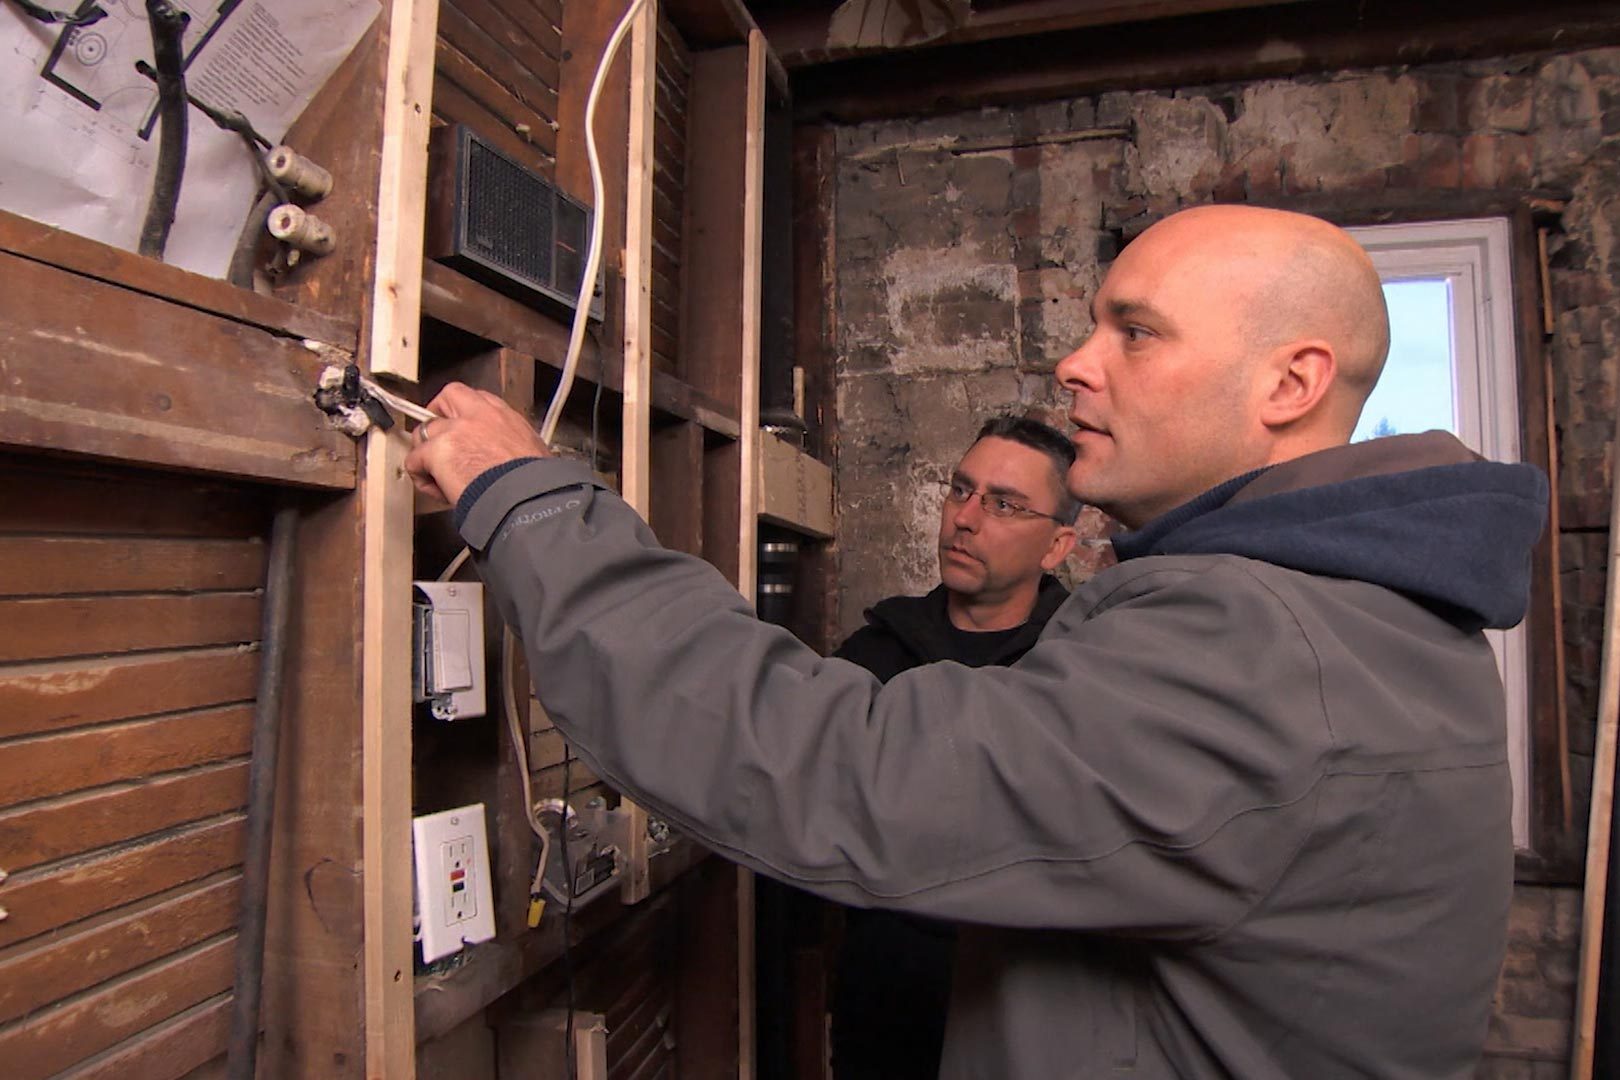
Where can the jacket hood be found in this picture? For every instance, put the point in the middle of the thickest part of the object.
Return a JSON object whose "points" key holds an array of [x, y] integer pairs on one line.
{"points": [[919, 622], [1419, 514]]}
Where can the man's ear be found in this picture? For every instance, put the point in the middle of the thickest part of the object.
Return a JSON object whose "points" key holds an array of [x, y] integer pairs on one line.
{"points": [[1301, 373], [1063, 542]]}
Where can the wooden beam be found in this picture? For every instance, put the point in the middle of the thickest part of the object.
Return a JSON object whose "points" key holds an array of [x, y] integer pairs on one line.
{"points": [[1194, 50], [29, 239], [753, 211], [96, 369], [802, 36], [386, 755], [635, 483], [402, 195], [711, 24]]}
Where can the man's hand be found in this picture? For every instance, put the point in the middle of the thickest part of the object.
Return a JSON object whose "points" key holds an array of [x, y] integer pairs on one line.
{"points": [[474, 431]]}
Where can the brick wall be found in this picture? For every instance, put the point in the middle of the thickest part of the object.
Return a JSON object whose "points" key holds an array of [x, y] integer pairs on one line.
{"points": [[963, 274]]}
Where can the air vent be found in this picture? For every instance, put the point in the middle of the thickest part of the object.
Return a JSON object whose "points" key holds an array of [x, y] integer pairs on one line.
{"points": [[503, 224]]}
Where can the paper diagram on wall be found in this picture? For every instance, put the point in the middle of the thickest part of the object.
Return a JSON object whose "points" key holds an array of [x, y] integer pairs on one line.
{"points": [[96, 63], [78, 120]]}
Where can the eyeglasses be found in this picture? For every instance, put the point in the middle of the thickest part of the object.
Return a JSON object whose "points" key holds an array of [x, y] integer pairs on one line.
{"points": [[998, 506]]}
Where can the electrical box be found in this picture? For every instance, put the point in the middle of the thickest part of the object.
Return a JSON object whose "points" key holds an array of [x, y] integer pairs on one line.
{"points": [[454, 904], [447, 657]]}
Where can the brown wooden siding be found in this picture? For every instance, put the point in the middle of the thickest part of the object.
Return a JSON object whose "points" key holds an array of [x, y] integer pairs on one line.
{"points": [[129, 617]]}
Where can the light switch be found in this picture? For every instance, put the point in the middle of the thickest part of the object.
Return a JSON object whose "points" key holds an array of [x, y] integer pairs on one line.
{"points": [[447, 668]]}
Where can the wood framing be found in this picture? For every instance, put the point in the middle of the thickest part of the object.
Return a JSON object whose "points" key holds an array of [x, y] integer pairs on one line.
{"points": [[396, 308], [635, 484], [1601, 822], [386, 751]]}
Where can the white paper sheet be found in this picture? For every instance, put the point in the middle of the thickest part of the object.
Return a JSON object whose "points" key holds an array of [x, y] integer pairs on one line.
{"points": [[78, 140]]}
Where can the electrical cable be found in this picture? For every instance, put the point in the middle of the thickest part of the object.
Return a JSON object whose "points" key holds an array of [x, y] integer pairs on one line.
{"points": [[168, 25], [405, 408], [587, 283], [87, 15]]}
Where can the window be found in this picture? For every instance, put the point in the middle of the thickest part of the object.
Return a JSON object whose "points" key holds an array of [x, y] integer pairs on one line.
{"points": [[1452, 366]]}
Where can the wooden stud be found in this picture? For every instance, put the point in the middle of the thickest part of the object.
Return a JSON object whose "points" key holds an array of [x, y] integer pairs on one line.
{"points": [[386, 755], [748, 539], [635, 450], [1600, 822], [396, 307]]}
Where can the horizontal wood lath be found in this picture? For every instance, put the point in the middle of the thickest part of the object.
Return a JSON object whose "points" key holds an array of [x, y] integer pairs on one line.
{"points": [[43, 565], [59, 764], [50, 972], [40, 901], [129, 612], [168, 1050], [37, 496], [55, 627], [42, 1046], [43, 832], [55, 696], [497, 70]]}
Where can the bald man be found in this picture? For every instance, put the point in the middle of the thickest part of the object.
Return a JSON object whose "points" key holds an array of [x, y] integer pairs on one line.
{"points": [[1243, 811]]}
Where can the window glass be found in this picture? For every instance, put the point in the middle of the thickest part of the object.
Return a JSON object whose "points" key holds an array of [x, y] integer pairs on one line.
{"points": [[1417, 391]]}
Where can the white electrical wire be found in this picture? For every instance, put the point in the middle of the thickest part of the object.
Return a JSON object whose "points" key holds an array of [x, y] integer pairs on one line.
{"points": [[587, 284], [405, 408]]}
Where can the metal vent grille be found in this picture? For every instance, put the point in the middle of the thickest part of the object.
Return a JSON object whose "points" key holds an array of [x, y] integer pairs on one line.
{"points": [[509, 219], [496, 220]]}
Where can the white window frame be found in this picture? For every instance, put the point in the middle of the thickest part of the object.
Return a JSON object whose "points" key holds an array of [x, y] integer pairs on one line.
{"points": [[1475, 256]]}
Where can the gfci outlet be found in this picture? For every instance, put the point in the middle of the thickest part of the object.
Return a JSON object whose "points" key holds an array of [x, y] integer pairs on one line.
{"points": [[454, 905]]}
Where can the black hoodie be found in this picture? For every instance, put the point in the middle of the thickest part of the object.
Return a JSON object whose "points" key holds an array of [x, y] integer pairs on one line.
{"points": [[904, 631]]}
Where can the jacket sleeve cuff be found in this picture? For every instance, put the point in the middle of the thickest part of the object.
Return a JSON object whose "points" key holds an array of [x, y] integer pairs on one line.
{"points": [[481, 483], [503, 487]]}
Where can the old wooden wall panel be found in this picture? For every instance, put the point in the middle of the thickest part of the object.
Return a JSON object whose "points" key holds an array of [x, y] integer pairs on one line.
{"points": [[497, 70], [38, 566], [129, 613], [96, 369], [37, 901], [71, 825], [172, 1049], [669, 192], [107, 754], [48, 629], [47, 697], [61, 966], [41, 1047], [712, 235]]}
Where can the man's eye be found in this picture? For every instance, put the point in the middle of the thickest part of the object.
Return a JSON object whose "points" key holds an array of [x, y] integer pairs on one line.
{"points": [[1135, 334], [1002, 506], [960, 492]]}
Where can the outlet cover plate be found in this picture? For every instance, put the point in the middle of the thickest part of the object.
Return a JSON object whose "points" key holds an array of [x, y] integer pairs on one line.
{"points": [[454, 904]]}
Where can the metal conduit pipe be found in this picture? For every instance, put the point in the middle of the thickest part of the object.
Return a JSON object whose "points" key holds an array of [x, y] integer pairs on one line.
{"points": [[244, 1037]]}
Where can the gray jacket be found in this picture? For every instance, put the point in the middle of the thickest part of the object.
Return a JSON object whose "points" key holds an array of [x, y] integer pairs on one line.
{"points": [[1243, 810]]}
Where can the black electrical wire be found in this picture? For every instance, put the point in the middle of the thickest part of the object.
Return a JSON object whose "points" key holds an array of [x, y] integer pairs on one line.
{"points": [[87, 15], [229, 119], [168, 24]]}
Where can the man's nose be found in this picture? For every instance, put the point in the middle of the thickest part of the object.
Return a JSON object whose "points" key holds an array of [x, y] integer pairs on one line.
{"points": [[967, 516], [1081, 369]]}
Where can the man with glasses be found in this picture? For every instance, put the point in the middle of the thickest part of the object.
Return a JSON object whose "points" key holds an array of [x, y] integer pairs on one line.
{"points": [[1243, 811], [1006, 522]]}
